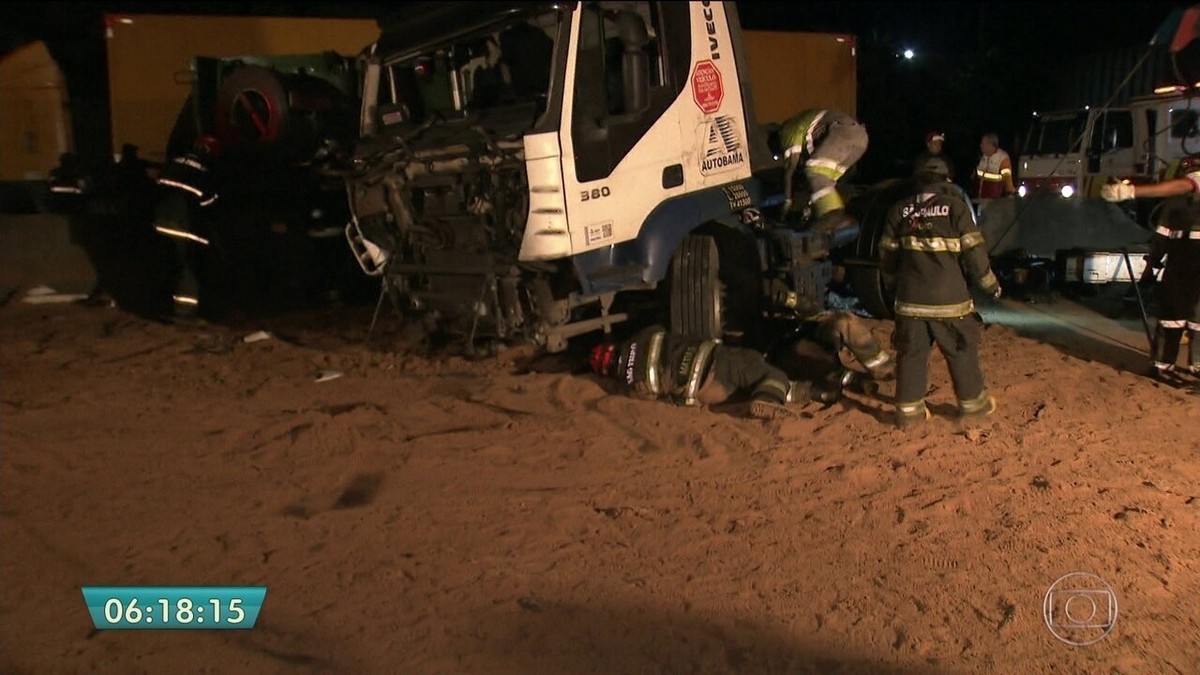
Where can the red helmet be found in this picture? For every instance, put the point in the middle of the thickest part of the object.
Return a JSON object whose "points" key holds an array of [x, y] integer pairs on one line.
{"points": [[601, 358]]}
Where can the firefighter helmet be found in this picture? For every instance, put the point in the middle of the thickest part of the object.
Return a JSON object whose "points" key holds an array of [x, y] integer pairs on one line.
{"points": [[601, 358]]}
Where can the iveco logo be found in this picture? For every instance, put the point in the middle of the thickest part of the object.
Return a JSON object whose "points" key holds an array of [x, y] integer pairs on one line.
{"points": [[711, 27]]}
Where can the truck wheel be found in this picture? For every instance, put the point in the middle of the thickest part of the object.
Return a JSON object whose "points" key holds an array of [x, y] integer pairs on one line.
{"points": [[869, 288], [696, 290]]}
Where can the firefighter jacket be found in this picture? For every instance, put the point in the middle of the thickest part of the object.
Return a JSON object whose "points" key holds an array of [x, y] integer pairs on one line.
{"points": [[993, 175], [930, 239], [190, 174], [656, 364]]}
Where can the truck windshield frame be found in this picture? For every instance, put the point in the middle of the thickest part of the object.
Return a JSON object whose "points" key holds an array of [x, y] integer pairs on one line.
{"points": [[500, 65]]}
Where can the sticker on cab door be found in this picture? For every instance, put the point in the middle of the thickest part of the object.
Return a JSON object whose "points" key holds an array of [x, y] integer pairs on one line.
{"points": [[721, 145], [707, 90], [594, 234]]}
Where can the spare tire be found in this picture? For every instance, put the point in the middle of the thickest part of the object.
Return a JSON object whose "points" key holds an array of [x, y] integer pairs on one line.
{"points": [[252, 106]]}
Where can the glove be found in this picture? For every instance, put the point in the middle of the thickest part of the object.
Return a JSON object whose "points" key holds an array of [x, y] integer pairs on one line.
{"points": [[1117, 192]]}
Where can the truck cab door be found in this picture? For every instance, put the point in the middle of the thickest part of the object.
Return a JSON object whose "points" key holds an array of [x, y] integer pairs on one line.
{"points": [[651, 112]]}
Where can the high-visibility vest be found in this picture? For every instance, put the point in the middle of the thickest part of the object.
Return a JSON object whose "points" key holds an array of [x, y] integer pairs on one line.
{"points": [[990, 178]]}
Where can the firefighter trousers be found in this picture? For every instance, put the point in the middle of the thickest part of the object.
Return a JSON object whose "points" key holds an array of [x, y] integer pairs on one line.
{"points": [[1180, 312], [175, 219], [736, 368], [957, 339], [844, 143]]}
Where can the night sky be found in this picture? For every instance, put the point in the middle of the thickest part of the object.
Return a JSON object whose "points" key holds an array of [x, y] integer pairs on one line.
{"points": [[979, 66]]}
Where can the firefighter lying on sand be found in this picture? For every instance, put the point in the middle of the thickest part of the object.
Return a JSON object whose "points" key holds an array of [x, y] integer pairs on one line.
{"points": [[688, 371]]}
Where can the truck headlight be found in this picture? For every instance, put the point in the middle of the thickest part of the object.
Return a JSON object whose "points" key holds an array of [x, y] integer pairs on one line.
{"points": [[1067, 191]]}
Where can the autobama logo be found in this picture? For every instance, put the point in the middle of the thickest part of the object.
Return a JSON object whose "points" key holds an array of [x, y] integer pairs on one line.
{"points": [[721, 145], [710, 27]]}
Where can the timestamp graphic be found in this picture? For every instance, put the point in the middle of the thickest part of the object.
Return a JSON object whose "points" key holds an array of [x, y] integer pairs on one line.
{"points": [[174, 607]]}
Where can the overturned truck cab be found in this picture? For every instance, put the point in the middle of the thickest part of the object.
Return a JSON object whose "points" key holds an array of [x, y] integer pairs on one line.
{"points": [[538, 172]]}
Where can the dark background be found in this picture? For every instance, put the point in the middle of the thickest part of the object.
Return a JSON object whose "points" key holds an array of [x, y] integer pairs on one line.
{"points": [[979, 66]]}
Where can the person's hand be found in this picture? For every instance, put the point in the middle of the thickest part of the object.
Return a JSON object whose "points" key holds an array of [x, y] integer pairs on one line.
{"points": [[999, 292], [1117, 192], [787, 208]]}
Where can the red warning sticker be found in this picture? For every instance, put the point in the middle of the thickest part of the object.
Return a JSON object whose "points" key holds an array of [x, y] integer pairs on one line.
{"points": [[707, 90]]}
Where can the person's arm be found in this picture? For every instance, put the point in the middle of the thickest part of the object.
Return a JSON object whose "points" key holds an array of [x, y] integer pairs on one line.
{"points": [[974, 251], [1119, 192], [889, 247], [1006, 174], [1169, 188], [789, 172]]}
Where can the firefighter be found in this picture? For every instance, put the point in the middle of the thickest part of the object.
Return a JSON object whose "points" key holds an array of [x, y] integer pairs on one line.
{"points": [[187, 194], [930, 239], [829, 142], [993, 174], [656, 364], [1177, 239], [835, 330], [934, 144]]}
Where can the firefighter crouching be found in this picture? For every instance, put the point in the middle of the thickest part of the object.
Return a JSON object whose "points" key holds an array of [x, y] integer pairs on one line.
{"points": [[187, 193], [828, 143], [1177, 239], [930, 240], [831, 331]]}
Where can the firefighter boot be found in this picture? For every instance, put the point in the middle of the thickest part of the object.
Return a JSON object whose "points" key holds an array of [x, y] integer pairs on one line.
{"points": [[766, 403], [1194, 353], [977, 408], [1165, 354], [909, 415]]}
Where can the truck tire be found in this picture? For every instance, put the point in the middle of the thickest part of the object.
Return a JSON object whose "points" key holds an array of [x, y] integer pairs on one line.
{"points": [[870, 290], [697, 295]]}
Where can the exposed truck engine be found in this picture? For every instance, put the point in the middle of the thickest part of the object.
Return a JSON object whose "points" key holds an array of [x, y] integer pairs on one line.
{"points": [[541, 171]]}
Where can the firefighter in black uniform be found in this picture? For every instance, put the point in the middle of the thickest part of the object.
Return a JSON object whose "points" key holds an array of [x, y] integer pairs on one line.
{"points": [[1176, 238], [187, 194], [930, 240], [689, 371]]}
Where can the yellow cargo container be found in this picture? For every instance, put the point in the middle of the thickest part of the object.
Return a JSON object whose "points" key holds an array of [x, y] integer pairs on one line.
{"points": [[792, 71], [34, 123]]}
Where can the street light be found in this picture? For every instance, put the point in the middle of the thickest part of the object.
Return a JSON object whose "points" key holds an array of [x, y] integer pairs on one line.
{"points": [[909, 54]]}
